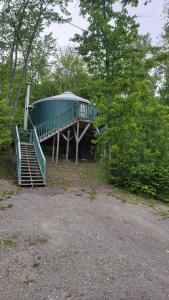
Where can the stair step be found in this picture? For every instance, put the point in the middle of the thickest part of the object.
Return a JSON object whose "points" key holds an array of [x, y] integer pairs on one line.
{"points": [[33, 177], [27, 152], [28, 156], [28, 180], [26, 145], [30, 184], [36, 172], [27, 168], [29, 159], [29, 148], [30, 166]]}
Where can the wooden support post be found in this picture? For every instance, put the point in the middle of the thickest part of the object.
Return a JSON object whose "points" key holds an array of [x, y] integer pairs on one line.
{"points": [[77, 142], [57, 149], [78, 138], [67, 147], [53, 149], [84, 131]]}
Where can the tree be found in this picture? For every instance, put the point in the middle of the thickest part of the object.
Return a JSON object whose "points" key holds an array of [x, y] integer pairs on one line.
{"points": [[163, 70], [70, 71], [134, 139], [22, 23]]}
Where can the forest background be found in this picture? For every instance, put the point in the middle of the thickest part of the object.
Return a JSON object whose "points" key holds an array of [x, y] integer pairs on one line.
{"points": [[111, 64]]}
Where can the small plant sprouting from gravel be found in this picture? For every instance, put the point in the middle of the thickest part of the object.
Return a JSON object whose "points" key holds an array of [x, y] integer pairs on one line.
{"points": [[5, 207], [9, 243], [36, 264], [28, 280], [78, 194], [93, 194], [37, 241]]}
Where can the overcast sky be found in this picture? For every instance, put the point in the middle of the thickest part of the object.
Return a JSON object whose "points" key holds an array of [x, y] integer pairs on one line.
{"points": [[150, 17]]}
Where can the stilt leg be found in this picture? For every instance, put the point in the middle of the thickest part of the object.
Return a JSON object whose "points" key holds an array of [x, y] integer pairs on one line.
{"points": [[57, 150], [53, 149], [67, 148], [77, 143]]}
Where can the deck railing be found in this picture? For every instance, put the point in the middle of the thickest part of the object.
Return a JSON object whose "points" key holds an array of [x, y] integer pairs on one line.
{"points": [[64, 119]]}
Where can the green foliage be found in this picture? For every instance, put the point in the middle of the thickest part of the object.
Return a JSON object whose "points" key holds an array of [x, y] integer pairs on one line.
{"points": [[5, 118], [23, 49], [69, 73], [134, 140], [140, 144]]}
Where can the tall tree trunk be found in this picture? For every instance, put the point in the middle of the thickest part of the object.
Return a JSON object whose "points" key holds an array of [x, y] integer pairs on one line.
{"points": [[14, 51], [24, 69]]}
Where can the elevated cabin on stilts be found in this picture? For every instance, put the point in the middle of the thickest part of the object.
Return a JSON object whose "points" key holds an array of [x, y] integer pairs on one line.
{"points": [[66, 119], [65, 122]]}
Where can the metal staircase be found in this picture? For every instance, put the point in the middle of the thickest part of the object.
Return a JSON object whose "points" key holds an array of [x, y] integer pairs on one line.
{"points": [[30, 170], [31, 163]]}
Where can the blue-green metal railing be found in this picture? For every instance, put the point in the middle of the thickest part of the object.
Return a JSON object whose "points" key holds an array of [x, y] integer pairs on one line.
{"points": [[39, 153], [25, 135], [29, 136], [64, 119], [18, 154], [56, 122]]}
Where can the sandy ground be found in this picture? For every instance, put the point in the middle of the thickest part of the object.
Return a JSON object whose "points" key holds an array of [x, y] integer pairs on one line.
{"points": [[77, 241]]}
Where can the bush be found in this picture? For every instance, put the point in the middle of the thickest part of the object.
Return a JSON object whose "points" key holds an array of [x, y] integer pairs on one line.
{"points": [[139, 136], [5, 118]]}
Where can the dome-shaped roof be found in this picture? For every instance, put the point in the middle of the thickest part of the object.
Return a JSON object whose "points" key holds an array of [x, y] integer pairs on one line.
{"points": [[65, 96]]}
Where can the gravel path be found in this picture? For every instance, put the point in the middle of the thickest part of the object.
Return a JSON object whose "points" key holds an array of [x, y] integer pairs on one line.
{"points": [[69, 247]]}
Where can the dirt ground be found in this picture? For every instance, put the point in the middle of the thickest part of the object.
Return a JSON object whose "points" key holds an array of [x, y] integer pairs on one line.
{"points": [[79, 238]]}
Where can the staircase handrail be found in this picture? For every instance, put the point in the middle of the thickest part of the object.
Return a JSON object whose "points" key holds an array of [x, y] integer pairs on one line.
{"points": [[18, 153], [40, 156]]}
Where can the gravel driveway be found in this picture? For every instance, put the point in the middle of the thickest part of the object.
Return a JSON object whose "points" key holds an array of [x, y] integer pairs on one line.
{"points": [[78, 243]]}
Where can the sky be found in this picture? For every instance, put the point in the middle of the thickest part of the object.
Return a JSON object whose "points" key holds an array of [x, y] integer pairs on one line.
{"points": [[150, 17]]}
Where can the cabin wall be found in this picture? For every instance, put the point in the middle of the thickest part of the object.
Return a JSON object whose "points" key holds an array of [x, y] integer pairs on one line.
{"points": [[45, 110]]}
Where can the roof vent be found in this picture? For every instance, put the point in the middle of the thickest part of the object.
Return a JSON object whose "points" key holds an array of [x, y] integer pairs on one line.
{"points": [[70, 93]]}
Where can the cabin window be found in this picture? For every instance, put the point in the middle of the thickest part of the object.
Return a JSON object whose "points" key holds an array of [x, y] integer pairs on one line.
{"points": [[83, 110]]}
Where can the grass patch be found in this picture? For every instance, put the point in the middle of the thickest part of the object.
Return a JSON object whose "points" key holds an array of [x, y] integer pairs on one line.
{"points": [[163, 213], [125, 197], [84, 174], [93, 194], [8, 194], [9, 243]]}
